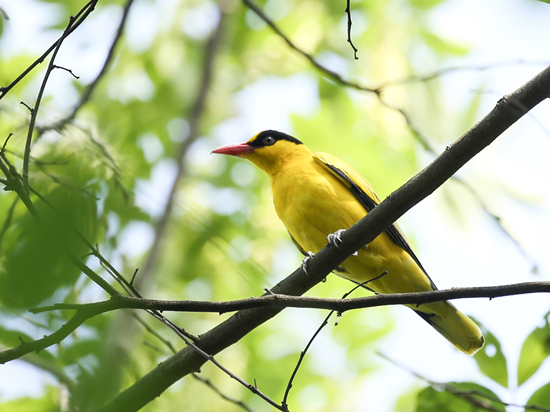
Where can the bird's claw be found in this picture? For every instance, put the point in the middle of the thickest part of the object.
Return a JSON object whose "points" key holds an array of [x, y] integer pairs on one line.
{"points": [[306, 259], [335, 238]]}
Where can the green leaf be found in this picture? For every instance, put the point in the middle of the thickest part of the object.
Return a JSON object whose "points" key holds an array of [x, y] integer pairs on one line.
{"points": [[491, 360], [540, 398], [534, 351], [458, 397]]}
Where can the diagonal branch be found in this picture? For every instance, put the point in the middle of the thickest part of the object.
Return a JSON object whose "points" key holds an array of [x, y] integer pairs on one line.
{"points": [[92, 86], [73, 23], [78, 20], [332, 74], [506, 113]]}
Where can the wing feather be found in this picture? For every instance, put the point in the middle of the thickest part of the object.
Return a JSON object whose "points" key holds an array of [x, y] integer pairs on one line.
{"points": [[364, 193]]}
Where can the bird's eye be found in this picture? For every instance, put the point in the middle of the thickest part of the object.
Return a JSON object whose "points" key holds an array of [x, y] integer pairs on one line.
{"points": [[269, 140]]}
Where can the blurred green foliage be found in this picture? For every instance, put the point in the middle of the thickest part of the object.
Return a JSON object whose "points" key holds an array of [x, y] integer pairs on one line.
{"points": [[105, 178], [459, 396]]}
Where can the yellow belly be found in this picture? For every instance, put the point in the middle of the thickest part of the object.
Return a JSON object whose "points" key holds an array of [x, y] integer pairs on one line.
{"points": [[313, 205]]}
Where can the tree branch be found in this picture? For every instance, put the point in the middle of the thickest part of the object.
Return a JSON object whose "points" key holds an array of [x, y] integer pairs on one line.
{"points": [[91, 87], [507, 111], [274, 300], [79, 19], [269, 301]]}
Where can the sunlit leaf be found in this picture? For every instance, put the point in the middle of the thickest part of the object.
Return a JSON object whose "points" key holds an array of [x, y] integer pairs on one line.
{"points": [[540, 398], [491, 360], [534, 351]]}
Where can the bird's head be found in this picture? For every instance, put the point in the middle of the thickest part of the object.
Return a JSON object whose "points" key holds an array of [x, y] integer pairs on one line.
{"points": [[267, 150]]}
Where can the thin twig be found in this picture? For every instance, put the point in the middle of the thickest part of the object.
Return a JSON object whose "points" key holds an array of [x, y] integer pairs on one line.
{"points": [[51, 66], [79, 19], [92, 86], [252, 388], [333, 75], [323, 324], [348, 12], [153, 332], [209, 383]]}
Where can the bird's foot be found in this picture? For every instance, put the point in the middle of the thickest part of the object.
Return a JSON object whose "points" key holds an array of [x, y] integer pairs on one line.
{"points": [[335, 238], [303, 265]]}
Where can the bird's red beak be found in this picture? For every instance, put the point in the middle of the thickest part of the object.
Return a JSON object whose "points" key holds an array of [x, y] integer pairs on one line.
{"points": [[234, 149]]}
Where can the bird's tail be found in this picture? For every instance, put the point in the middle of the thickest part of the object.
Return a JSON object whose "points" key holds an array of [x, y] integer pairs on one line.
{"points": [[456, 327]]}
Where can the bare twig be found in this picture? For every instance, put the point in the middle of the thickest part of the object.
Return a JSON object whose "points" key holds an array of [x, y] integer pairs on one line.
{"points": [[348, 12], [207, 357], [77, 21], [209, 383], [92, 86], [73, 21], [153, 332], [331, 74], [303, 353]]}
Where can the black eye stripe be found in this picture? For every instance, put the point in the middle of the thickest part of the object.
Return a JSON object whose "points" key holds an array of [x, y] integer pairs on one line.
{"points": [[270, 137]]}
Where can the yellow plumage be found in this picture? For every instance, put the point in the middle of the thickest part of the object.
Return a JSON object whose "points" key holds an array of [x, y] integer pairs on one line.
{"points": [[317, 194]]}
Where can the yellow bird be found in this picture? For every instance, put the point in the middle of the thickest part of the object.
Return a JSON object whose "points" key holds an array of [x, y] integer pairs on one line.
{"points": [[317, 195]]}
